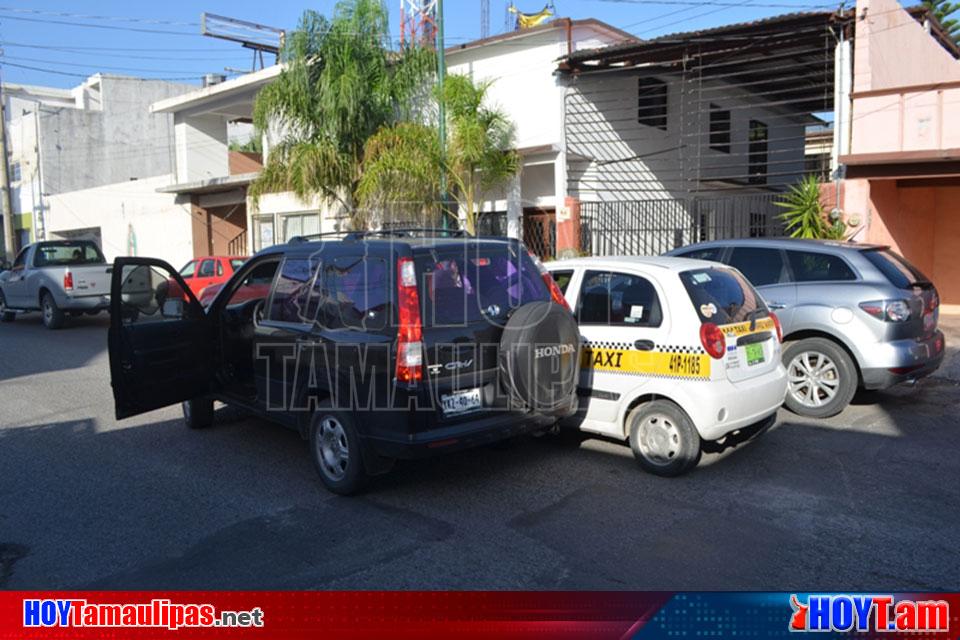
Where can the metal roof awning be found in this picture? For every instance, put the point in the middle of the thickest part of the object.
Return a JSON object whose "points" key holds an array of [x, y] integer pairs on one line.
{"points": [[787, 58], [211, 185]]}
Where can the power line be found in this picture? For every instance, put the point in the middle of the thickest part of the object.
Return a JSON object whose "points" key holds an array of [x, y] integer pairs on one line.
{"points": [[80, 16], [101, 26], [94, 66]]}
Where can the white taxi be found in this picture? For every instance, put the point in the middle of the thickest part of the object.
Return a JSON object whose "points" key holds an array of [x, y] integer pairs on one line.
{"points": [[675, 352]]}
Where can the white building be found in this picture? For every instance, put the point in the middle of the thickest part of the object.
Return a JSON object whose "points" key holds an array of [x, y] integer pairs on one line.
{"points": [[86, 162]]}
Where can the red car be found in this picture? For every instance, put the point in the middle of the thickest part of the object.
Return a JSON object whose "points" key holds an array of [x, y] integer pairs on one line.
{"points": [[204, 271]]}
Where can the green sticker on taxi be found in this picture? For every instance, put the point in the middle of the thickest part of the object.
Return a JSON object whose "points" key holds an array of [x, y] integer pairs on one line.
{"points": [[754, 353]]}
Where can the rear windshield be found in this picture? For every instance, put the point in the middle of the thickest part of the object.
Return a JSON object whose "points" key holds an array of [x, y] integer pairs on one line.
{"points": [[895, 268], [722, 296], [67, 254], [467, 284]]}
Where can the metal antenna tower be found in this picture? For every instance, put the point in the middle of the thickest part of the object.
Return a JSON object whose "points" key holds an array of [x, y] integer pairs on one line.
{"points": [[418, 22], [484, 18]]}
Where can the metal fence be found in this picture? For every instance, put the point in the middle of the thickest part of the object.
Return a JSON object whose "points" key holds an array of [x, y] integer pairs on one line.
{"points": [[652, 227]]}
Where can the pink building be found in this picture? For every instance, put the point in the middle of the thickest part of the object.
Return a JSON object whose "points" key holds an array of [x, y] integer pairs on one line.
{"points": [[902, 158]]}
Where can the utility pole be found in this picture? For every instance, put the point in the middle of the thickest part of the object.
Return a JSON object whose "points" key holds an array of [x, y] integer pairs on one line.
{"points": [[442, 125], [8, 244]]}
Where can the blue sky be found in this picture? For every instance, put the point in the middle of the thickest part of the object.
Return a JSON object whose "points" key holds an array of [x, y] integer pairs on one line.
{"points": [[37, 40]]}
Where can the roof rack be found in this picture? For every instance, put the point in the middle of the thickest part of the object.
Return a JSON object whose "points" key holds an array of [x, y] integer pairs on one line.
{"points": [[410, 232]]}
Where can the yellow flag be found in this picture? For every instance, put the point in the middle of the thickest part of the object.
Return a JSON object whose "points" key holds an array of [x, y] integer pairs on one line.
{"points": [[527, 20]]}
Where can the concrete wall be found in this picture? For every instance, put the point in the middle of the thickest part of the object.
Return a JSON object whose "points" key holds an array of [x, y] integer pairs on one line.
{"points": [[132, 217], [895, 56], [115, 139], [523, 81], [201, 147]]}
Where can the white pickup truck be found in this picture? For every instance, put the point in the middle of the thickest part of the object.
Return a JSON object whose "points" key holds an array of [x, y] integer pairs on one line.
{"points": [[56, 277]]}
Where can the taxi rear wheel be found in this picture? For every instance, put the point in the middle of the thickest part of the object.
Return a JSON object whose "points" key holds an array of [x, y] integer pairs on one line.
{"points": [[663, 438]]}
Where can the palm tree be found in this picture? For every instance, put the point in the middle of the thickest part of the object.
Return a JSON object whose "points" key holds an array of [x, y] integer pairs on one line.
{"points": [[480, 154], [405, 163], [341, 85]]}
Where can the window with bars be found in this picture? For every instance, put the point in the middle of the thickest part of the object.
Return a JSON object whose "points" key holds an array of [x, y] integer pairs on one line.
{"points": [[757, 157], [652, 102], [719, 129]]}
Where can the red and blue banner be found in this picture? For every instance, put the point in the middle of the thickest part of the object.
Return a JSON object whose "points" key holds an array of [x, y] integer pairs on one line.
{"points": [[475, 614]]}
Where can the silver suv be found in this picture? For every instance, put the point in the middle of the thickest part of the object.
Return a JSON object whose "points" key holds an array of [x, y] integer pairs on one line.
{"points": [[853, 315]]}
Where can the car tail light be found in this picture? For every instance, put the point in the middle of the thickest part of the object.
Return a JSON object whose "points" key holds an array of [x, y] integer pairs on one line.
{"points": [[68, 281], [934, 302], [410, 335], [776, 324], [713, 340], [888, 310], [548, 280]]}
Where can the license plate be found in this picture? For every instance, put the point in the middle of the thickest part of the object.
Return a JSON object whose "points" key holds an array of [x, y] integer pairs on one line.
{"points": [[754, 353], [460, 401]]}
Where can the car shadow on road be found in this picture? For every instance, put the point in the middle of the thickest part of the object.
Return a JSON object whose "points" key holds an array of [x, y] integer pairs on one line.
{"points": [[238, 505], [28, 348]]}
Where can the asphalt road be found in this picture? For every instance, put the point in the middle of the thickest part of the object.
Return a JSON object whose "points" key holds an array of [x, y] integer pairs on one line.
{"points": [[869, 500]]}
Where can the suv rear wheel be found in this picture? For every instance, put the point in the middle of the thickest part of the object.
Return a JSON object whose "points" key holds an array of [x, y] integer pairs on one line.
{"points": [[336, 450], [198, 412], [663, 438], [821, 377]]}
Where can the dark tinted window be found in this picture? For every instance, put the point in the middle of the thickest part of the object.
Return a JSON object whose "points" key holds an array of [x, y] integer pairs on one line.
{"points": [[895, 267], [189, 269], [809, 266], [67, 253], [562, 278], [652, 102], [464, 285], [618, 299], [206, 269], [761, 266], [288, 302], [721, 296], [712, 253], [719, 129], [354, 293]]}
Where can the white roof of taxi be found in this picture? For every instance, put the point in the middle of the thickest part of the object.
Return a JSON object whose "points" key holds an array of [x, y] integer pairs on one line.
{"points": [[613, 262]]}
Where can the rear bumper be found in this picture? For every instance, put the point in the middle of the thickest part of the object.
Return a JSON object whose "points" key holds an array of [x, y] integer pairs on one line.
{"points": [[718, 407], [84, 303], [486, 429], [901, 360]]}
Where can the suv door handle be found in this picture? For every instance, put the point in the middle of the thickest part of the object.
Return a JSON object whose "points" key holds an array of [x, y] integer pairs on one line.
{"points": [[644, 345], [776, 306]]}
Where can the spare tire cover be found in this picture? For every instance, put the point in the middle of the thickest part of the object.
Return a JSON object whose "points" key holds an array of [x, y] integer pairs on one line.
{"points": [[540, 356]]}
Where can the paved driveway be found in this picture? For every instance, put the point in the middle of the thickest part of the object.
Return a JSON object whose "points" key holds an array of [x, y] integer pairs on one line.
{"points": [[867, 500]]}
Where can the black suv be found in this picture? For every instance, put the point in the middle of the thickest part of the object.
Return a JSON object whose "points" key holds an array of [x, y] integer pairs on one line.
{"points": [[375, 346]]}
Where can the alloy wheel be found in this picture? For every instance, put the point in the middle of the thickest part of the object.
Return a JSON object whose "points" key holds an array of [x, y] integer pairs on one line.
{"points": [[813, 379]]}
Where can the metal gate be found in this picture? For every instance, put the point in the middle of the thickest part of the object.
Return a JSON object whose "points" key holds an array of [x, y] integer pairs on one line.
{"points": [[653, 227]]}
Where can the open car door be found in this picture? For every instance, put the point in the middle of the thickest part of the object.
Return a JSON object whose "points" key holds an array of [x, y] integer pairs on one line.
{"points": [[160, 340]]}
